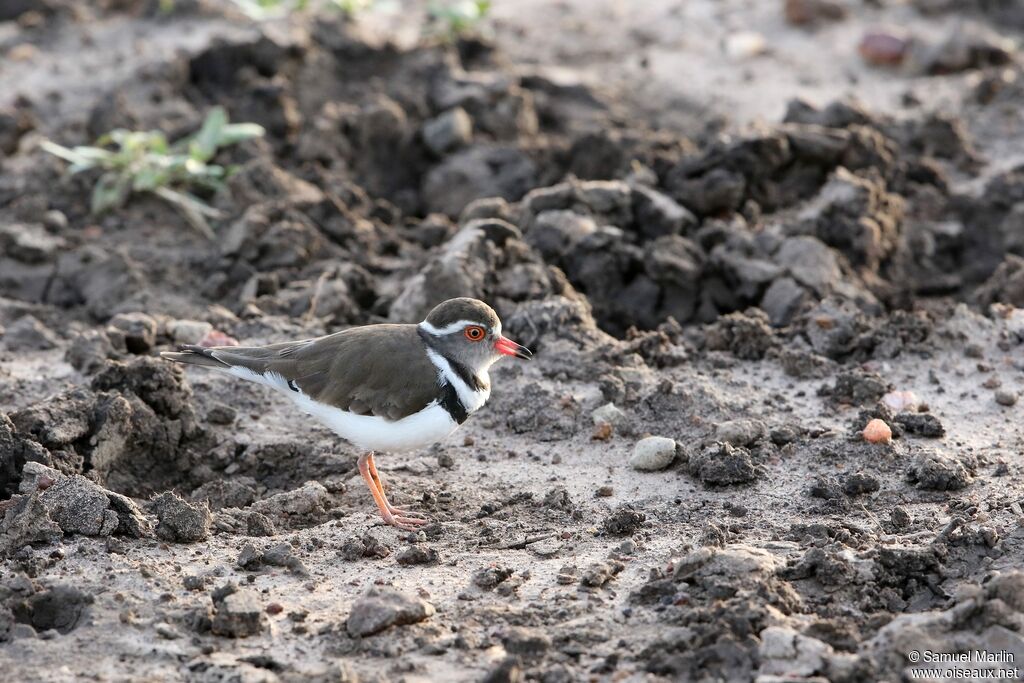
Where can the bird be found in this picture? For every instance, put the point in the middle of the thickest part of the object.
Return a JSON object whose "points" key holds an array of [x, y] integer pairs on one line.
{"points": [[383, 387]]}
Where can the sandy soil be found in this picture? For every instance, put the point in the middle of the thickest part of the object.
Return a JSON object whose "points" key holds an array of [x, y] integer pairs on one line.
{"points": [[633, 205]]}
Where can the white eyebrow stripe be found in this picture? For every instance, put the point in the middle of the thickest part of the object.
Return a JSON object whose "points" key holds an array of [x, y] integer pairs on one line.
{"points": [[447, 329]]}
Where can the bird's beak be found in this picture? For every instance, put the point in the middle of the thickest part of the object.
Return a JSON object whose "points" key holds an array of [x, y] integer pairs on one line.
{"points": [[507, 347]]}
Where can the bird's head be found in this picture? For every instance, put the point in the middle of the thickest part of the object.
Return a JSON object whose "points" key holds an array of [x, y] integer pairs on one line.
{"points": [[469, 331]]}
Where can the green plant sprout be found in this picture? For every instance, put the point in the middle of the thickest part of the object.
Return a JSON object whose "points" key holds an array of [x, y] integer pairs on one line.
{"points": [[460, 17], [260, 10], [145, 162]]}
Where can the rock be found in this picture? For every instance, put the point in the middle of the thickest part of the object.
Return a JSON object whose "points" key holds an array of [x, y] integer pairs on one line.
{"points": [[234, 492], [188, 331], [1008, 586], [860, 483], [877, 431], [610, 414], [446, 132], [653, 453], [900, 518], [810, 12], [27, 522], [600, 573], [488, 578], [180, 521], [221, 414], [901, 401], [623, 520], [90, 349], [656, 214], [28, 334], [921, 424], [238, 613], [382, 607], [835, 327], [810, 262], [742, 432], [528, 643], [717, 191], [746, 335], [103, 281], [858, 387], [57, 422], [721, 464], [855, 215], [417, 554], [73, 503], [139, 331], [61, 608], [1005, 397], [80, 506], [307, 504], [508, 670], [280, 555], [355, 548], [785, 652], [939, 472], [968, 45], [478, 171], [461, 268], [884, 48], [29, 243], [783, 300], [745, 44]]}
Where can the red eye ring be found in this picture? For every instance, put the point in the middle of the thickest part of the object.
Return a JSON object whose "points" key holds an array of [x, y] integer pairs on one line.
{"points": [[474, 333]]}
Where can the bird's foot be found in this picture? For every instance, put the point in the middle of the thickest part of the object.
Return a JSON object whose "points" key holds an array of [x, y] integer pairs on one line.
{"points": [[402, 521], [404, 512]]}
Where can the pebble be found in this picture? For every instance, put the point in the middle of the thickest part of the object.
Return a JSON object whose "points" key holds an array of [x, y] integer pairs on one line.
{"points": [[653, 453], [742, 432], [877, 431], [448, 131], [416, 554], [188, 331], [883, 48], [139, 330], [1005, 397], [382, 607], [745, 44], [902, 401], [239, 614], [609, 413], [179, 520]]}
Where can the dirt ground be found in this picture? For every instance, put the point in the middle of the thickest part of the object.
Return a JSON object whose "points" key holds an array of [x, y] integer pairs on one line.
{"points": [[721, 224]]}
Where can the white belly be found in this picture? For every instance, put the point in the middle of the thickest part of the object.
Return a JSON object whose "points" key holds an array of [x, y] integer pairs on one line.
{"points": [[367, 432]]}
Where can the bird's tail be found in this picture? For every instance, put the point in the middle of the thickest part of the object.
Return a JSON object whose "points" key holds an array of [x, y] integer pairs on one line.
{"points": [[194, 355]]}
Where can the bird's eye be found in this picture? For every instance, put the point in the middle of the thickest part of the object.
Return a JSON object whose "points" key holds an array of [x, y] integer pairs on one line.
{"points": [[474, 333]]}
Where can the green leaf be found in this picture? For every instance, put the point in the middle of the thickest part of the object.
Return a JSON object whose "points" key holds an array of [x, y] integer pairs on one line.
{"points": [[239, 132], [111, 192], [74, 156], [195, 211], [204, 144], [149, 178]]}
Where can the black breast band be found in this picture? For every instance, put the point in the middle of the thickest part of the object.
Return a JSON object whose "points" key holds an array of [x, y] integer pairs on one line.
{"points": [[451, 402]]}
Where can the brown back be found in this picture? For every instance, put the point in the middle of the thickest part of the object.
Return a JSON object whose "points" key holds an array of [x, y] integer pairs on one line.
{"points": [[380, 370]]}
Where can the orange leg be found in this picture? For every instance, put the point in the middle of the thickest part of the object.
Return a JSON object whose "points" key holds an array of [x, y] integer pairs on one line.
{"points": [[373, 482], [380, 487]]}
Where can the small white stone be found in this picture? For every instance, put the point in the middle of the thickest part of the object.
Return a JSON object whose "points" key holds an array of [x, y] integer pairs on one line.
{"points": [[610, 414], [745, 44], [902, 401], [188, 331], [653, 453]]}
